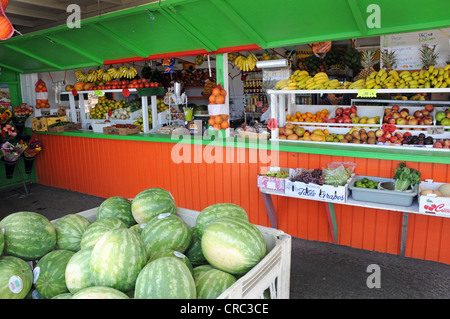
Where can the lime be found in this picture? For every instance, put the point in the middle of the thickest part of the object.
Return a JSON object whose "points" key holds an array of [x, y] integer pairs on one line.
{"points": [[365, 180]]}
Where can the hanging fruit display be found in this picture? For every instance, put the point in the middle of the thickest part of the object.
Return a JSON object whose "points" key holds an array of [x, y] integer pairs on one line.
{"points": [[246, 63], [41, 95]]}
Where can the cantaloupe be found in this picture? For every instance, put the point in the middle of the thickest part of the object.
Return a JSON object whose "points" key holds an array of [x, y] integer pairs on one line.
{"points": [[445, 190]]}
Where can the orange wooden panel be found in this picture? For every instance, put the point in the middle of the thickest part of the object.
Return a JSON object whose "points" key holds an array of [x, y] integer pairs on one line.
{"points": [[108, 167]]}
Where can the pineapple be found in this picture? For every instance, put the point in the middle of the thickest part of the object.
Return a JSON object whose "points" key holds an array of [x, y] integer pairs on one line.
{"points": [[428, 56], [389, 60], [367, 63]]}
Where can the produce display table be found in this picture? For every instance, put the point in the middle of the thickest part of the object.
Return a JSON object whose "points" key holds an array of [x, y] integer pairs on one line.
{"points": [[329, 206]]}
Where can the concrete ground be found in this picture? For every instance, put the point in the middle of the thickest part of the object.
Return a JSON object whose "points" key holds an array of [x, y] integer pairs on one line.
{"points": [[318, 270]]}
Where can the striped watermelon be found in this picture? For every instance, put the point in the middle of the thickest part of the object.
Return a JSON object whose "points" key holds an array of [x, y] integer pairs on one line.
{"points": [[99, 292], [49, 273], [212, 212], [117, 259], [78, 271], [2, 242], [212, 283], [152, 202], [165, 278], [98, 228], [138, 228], [172, 253], [69, 230], [16, 278], [194, 252], [200, 270], [65, 295], [166, 231], [118, 207], [28, 235], [233, 245]]}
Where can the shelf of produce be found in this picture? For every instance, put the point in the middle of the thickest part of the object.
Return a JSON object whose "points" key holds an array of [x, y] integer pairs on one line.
{"points": [[418, 102], [355, 91], [333, 227]]}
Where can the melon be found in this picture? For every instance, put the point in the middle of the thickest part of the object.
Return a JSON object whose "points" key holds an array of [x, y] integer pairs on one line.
{"points": [[172, 253], [117, 259], [233, 245], [78, 271], [166, 231], [212, 212], [69, 230], [66, 295], [212, 283], [28, 235], [16, 278], [165, 278], [116, 206], [152, 202], [138, 228], [200, 270], [194, 252], [49, 273], [98, 228], [445, 190], [99, 293]]}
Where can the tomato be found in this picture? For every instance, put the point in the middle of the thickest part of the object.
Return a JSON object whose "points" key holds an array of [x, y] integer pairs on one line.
{"points": [[147, 85], [152, 84], [134, 82], [156, 84], [141, 86], [131, 86]]}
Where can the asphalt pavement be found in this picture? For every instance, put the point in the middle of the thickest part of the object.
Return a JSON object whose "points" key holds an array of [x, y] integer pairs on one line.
{"points": [[318, 270]]}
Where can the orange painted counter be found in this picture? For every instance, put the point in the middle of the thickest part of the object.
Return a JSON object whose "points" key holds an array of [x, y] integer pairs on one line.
{"points": [[107, 166]]}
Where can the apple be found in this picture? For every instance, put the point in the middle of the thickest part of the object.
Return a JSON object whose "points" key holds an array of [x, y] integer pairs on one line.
{"points": [[392, 121], [448, 115], [340, 119], [386, 118], [347, 111], [396, 115], [404, 109], [446, 146], [352, 114], [418, 114], [406, 134], [404, 114], [402, 121], [428, 120], [438, 144], [421, 122], [346, 116], [379, 133], [425, 112], [387, 135], [353, 109], [382, 139], [393, 139], [399, 135], [447, 142], [339, 111], [429, 107], [387, 111], [395, 108], [440, 116], [333, 120], [347, 120], [445, 122]]}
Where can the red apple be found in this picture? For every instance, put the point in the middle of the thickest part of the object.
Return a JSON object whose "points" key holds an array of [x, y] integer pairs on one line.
{"points": [[429, 107], [421, 122], [347, 111], [382, 139], [428, 120], [347, 120], [353, 109], [395, 108], [438, 144], [392, 121], [340, 119], [387, 111], [339, 111], [406, 134], [387, 135], [386, 118], [352, 115], [393, 139], [447, 142], [425, 112], [418, 114], [402, 121], [396, 115], [413, 121], [404, 114], [379, 133]]}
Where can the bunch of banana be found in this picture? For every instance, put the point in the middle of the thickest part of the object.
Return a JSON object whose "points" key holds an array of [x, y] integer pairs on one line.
{"points": [[282, 84], [401, 97], [131, 73], [247, 63], [357, 85], [231, 57], [123, 71], [91, 77], [80, 75], [113, 72], [317, 81], [297, 78]]}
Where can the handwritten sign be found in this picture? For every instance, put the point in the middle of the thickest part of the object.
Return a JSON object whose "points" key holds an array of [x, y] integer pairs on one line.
{"points": [[407, 45], [367, 93], [435, 130]]}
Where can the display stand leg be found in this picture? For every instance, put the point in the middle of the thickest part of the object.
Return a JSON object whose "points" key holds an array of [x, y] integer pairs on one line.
{"points": [[404, 233], [267, 198], [332, 223]]}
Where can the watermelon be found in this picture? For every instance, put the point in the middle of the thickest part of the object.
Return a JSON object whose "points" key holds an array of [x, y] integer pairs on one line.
{"points": [[16, 278], [99, 292], [212, 212], [199, 270], [233, 245], [212, 283], [165, 278], [69, 230], [138, 228], [194, 252], [65, 295], [49, 273], [166, 231], [28, 235], [78, 271], [118, 207], [2, 242], [152, 202], [98, 228], [117, 259], [172, 253]]}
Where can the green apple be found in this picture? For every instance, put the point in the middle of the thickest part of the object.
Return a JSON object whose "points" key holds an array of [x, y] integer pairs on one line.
{"points": [[445, 122], [440, 116]]}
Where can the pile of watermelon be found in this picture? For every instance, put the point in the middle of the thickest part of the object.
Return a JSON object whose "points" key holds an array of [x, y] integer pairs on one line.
{"points": [[134, 249]]}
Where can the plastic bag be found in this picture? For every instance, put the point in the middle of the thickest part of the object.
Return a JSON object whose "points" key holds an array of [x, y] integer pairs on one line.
{"points": [[338, 173]]}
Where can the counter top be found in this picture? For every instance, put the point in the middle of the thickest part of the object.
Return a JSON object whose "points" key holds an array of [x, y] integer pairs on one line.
{"points": [[403, 153]]}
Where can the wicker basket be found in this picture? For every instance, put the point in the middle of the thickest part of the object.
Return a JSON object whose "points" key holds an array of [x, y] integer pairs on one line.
{"points": [[254, 135]]}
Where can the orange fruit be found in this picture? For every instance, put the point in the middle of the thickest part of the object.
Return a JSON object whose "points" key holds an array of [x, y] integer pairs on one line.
{"points": [[216, 91], [298, 114], [218, 120], [220, 99], [216, 127], [225, 117], [223, 92], [212, 99], [224, 125], [211, 121]]}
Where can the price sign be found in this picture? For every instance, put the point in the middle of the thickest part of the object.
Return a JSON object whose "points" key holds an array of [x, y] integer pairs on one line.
{"points": [[435, 130], [98, 93], [367, 93]]}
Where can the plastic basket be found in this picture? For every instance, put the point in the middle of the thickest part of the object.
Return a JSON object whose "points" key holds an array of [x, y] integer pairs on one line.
{"points": [[271, 276]]}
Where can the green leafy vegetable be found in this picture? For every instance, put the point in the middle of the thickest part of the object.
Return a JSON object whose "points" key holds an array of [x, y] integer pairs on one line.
{"points": [[405, 177]]}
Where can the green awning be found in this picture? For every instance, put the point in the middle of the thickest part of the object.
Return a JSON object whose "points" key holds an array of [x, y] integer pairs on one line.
{"points": [[190, 27]]}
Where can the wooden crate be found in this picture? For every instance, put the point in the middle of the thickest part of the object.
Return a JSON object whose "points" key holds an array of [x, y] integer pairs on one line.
{"points": [[64, 128], [121, 131]]}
